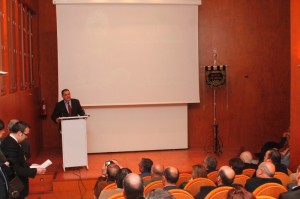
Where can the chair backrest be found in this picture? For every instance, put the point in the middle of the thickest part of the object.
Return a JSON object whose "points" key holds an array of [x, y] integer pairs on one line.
{"points": [[181, 194], [285, 179], [265, 197], [269, 189], [153, 185], [194, 185], [241, 179], [145, 178], [249, 172], [213, 176], [218, 193], [183, 177], [110, 186], [117, 196]]}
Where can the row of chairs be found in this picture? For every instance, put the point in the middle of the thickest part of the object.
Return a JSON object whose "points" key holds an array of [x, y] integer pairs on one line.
{"points": [[266, 191], [193, 186]]}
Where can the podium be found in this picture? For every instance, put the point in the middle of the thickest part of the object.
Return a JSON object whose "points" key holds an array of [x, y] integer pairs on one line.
{"points": [[74, 141]]}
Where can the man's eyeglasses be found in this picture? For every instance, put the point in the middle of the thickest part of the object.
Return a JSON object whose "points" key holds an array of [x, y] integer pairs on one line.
{"points": [[26, 134]]}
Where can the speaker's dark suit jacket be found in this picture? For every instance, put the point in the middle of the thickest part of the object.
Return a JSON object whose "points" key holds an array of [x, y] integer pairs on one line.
{"points": [[60, 110], [15, 156], [294, 194]]}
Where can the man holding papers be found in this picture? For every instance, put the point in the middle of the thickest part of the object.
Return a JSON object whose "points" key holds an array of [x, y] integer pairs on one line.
{"points": [[11, 148]]}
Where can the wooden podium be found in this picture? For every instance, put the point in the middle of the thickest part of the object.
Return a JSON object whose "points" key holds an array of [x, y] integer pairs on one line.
{"points": [[74, 141]]}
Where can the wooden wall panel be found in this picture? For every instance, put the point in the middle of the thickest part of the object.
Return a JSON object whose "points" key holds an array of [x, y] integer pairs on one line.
{"points": [[252, 37], [295, 83]]}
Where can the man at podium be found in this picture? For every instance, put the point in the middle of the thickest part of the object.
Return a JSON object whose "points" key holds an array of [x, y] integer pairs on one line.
{"points": [[67, 107]]}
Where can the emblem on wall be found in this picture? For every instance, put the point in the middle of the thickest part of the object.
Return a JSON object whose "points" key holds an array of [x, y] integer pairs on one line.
{"points": [[215, 76]]}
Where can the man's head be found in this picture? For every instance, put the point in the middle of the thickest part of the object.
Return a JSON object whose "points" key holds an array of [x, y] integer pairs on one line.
{"points": [[211, 163], [121, 175], [170, 176], [21, 131], [112, 171], [145, 165], [237, 165], [11, 123], [265, 170], [246, 157], [2, 125], [133, 186], [157, 170], [273, 155], [66, 95], [225, 176]]}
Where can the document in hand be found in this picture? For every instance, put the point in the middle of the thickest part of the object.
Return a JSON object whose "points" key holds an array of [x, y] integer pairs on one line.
{"points": [[44, 165]]}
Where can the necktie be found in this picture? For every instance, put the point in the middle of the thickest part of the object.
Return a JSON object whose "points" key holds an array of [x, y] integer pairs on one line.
{"points": [[69, 109]]}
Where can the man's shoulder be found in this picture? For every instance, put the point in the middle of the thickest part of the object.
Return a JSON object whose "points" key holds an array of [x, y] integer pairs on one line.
{"points": [[295, 193]]}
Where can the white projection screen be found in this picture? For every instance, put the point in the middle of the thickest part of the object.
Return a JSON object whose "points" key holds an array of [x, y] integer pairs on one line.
{"points": [[123, 56]]}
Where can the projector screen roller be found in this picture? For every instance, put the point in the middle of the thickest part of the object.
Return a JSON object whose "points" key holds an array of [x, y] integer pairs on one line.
{"points": [[124, 55]]}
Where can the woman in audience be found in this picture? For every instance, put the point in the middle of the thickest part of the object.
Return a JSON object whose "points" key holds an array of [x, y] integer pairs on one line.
{"points": [[198, 171], [239, 192]]}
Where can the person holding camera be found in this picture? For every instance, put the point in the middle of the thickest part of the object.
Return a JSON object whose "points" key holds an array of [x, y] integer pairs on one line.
{"points": [[110, 170]]}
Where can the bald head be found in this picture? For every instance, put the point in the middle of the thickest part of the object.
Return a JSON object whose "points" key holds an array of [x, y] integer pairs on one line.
{"points": [[170, 176], [133, 186], [225, 176], [157, 170], [265, 170], [246, 157]]}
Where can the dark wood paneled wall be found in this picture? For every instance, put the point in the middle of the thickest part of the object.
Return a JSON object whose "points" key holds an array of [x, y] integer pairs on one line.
{"points": [[252, 37], [295, 83]]}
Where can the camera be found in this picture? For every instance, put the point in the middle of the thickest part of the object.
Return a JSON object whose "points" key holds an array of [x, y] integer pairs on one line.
{"points": [[108, 162]]}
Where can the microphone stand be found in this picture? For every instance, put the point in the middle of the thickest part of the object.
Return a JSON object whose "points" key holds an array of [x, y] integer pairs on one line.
{"points": [[217, 149]]}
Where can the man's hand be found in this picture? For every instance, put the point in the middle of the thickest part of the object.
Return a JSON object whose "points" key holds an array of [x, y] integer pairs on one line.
{"points": [[40, 170]]}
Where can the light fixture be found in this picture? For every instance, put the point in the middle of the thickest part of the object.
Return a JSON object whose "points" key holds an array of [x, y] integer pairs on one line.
{"points": [[3, 72]]}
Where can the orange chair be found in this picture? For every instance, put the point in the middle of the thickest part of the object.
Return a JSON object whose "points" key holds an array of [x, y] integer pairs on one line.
{"points": [[265, 197], [110, 186], [145, 178], [194, 185], [180, 194], [183, 177], [285, 179], [241, 179], [213, 176], [249, 172], [153, 185], [218, 193], [117, 196], [269, 189]]}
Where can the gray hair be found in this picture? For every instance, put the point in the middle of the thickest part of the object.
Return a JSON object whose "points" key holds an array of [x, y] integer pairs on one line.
{"points": [[160, 194], [11, 123]]}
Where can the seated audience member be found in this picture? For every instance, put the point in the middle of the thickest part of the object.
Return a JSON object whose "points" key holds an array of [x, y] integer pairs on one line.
{"points": [[225, 178], [133, 186], [145, 167], [274, 156], [156, 173], [247, 158], [159, 194], [239, 192], [25, 145], [198, 171], [210, 163], [273, 145], [237, 165], [295, 192], [264, 174], [170, 178], [109, 174], [119, 181]]}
